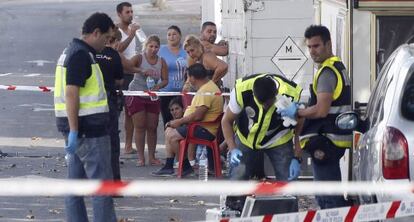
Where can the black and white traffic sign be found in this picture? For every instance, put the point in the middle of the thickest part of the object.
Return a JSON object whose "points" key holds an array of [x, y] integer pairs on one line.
{"points": [[289, 58]]}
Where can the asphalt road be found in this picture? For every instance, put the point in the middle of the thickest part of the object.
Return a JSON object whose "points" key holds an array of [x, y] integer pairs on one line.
{"points": [[33, 34]]}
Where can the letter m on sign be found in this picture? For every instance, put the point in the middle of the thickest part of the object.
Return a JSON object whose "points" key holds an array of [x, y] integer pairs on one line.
{"points": [[289, 48]]}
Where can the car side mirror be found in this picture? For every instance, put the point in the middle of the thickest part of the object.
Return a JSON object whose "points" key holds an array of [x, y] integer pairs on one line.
{"points": [[347, 121]]}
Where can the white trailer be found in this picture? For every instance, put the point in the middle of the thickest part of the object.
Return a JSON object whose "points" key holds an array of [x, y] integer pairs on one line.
{"points": [[264, 36], [267, 36]]}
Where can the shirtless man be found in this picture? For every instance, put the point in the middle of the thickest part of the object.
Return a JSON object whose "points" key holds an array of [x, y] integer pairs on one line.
{"points": [[208, 37]]}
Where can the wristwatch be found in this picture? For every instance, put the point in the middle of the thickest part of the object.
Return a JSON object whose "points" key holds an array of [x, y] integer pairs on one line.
{"points": [[299, 159]]}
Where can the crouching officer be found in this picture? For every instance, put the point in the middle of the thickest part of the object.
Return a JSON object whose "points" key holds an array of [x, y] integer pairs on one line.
{"points": [[330, 96], [259, 128]]}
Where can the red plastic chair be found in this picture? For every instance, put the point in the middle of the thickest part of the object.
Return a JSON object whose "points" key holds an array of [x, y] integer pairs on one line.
{"points": [[190, 138]]}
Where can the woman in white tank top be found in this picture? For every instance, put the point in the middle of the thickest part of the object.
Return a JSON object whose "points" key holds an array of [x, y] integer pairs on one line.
{"points": [[144, 111]]}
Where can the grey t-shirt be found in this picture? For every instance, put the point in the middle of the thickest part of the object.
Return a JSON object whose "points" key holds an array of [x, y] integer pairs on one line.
{"points": [[327, 81], [139, 83]]}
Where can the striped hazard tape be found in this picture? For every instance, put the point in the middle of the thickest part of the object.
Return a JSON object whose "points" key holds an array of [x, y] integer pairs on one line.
{"points": [[380, 211], [153, 93], [27, 88], [62, 187], [125, 92], [357, 213]]}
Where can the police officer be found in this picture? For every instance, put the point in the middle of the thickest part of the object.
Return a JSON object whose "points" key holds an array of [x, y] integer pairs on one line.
{"points": [[259, 127], [81, 109], [330, 96], [110, 63]]}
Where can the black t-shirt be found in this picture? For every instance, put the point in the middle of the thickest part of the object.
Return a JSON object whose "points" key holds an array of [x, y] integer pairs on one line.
{"points": [[111, 66], [78, 68]]}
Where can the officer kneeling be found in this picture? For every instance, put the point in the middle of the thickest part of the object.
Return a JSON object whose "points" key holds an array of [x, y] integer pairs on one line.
{"points": [[259, 128]]}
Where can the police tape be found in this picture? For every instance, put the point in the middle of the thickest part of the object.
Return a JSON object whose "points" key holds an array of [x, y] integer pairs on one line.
{"points": [[155, 93], [62, 187], [27, 88], [125, 92], [381, 211], [356, 213]]}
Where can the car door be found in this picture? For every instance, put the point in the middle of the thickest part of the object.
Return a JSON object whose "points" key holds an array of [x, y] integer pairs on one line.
{"points": [[366, 156]]}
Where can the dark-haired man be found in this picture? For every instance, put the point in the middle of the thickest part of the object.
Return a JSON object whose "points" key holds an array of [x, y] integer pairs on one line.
{"points": [[208, 37], [259, 128], [128, 48], [203, 108], [81, 110], [330, 96]]}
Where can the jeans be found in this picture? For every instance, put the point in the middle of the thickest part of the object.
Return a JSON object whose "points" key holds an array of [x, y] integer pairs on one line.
{"points": [[91, 161], [280, 157], [329, 172], [114, 135]]}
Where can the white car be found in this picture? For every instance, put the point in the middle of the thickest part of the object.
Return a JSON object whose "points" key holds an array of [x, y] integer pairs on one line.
{"points": [[385, 151]]}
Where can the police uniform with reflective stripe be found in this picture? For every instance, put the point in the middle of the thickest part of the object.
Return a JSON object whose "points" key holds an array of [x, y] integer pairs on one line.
{"points": [[259, 129], [93, 105], [341, 103]]}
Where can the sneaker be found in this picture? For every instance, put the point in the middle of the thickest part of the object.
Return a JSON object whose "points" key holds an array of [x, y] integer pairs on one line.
{"points": [[192, 162], [187, 172], [164, 172]]}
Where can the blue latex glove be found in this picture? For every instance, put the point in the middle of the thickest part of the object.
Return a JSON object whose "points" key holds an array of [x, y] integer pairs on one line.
{"points": [[72, 145], [290, 111], [294, 169], [235, 155]]}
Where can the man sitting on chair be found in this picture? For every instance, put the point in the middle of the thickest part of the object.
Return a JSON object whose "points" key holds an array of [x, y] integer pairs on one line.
{"points": [[203, 108]]}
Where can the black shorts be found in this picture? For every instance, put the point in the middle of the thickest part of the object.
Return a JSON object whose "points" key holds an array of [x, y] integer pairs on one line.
{"points": [[127, 79], [199, 132]]}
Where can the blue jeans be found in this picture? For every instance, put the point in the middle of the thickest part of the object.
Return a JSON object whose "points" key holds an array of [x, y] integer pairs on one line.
{"points": [[329, 172], [92, 160], [279, 156]]}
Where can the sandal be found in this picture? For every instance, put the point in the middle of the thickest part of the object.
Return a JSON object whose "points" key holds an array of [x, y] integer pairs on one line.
{"points": [[132, 151], [155, 162], [140, 163]]}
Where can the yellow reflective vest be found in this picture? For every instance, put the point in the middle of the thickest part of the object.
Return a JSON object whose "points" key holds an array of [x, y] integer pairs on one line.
{"points": [[92, 97], [341, 103], [256, 128]]}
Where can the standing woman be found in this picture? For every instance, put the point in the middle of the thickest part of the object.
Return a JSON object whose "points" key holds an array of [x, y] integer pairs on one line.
{"points": [[176, 59], [216, 67], [197, 54], [145, 111]]}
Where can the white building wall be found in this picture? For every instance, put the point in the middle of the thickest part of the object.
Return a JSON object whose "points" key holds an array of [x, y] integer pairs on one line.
{"points": [[210, 11], [256, 35], [361, 55]]}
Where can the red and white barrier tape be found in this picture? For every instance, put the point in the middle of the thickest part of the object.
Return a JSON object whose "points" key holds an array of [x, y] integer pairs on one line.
{"points": [[357, 213], [154, 93], [27, 88], [62, 187], [381, 211], [125, 92]]}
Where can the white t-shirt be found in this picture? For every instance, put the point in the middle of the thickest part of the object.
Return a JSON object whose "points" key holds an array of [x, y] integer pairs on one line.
{"points": [[130, 51], [233, 105]]}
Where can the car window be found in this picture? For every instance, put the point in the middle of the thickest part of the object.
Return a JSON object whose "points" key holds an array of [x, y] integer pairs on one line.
{"points": [[407, 103], [378, 113], [372, 107], [375, 111]]}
